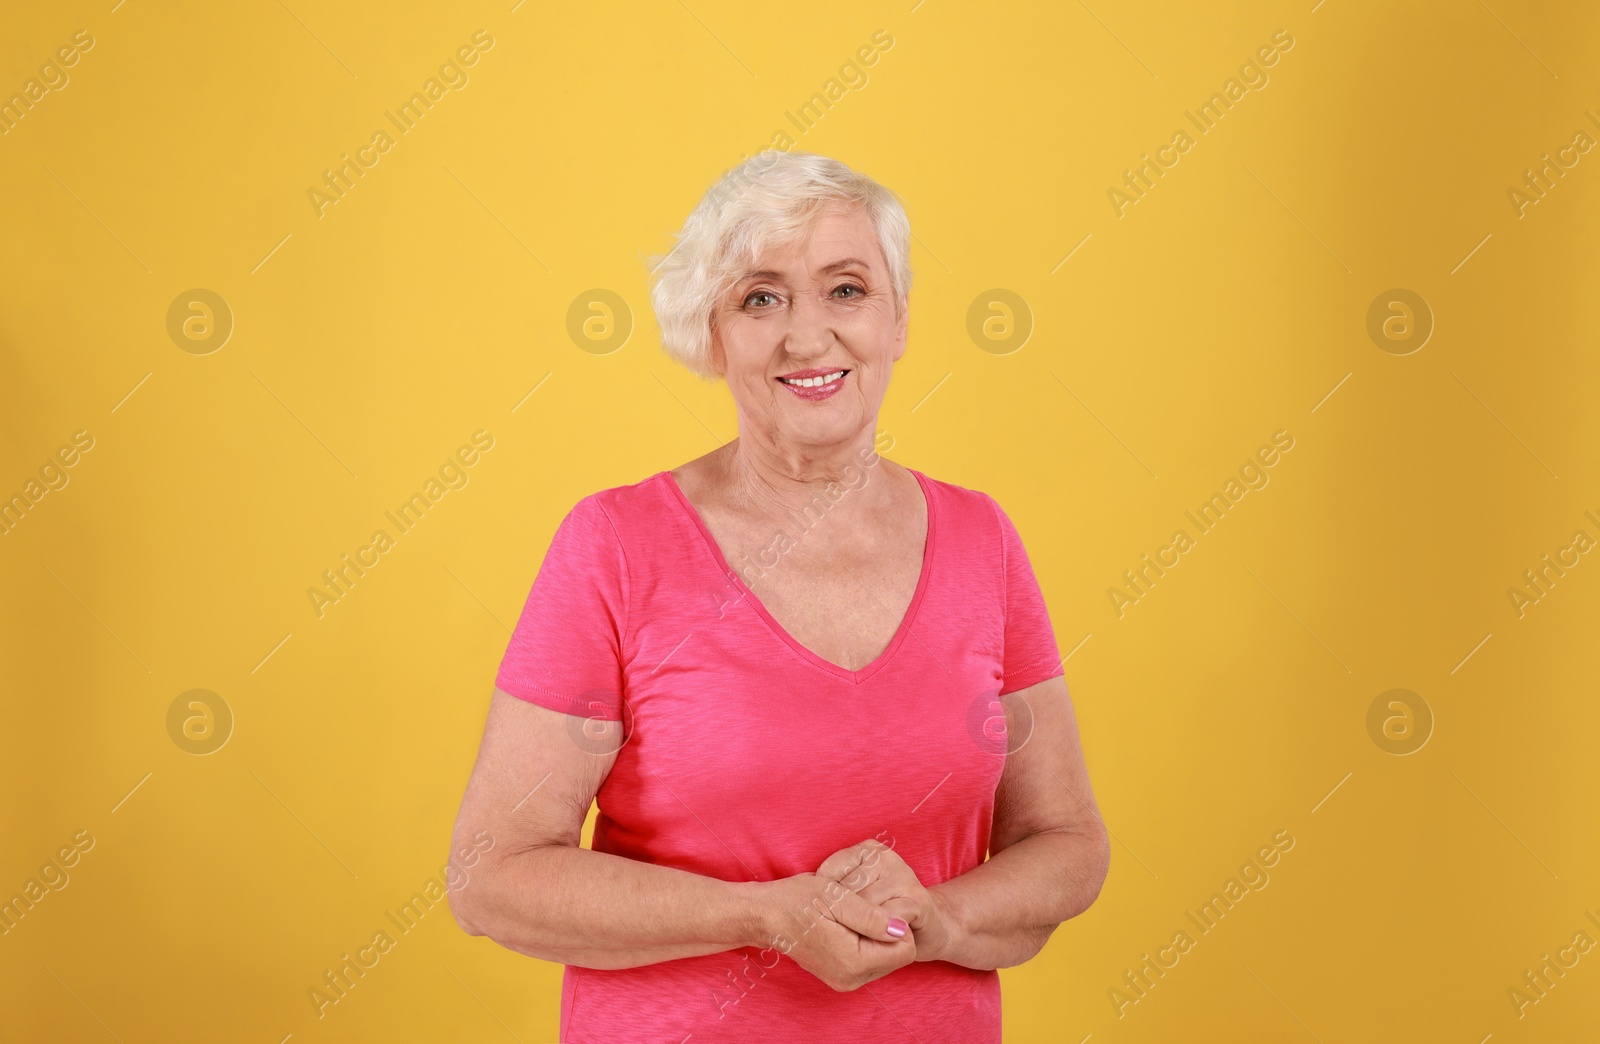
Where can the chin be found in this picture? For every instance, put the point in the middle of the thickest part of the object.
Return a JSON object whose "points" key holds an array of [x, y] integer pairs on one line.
{"points": [[830, 432]]}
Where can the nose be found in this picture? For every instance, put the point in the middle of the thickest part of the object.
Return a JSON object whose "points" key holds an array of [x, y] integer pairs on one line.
{"points": [[810, 332]]}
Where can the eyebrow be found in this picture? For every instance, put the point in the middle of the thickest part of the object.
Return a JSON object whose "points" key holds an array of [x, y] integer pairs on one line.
{"points": [[767, 273]]}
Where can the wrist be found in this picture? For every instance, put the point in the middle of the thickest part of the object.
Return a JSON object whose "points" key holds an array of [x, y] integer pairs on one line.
{"points": [[953, 922], [754, 918]]}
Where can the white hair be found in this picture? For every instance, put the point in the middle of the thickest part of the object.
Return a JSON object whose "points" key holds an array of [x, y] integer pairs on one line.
{"points": [[771, 198]]}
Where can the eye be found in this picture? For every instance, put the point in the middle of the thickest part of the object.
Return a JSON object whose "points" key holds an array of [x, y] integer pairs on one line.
{"points": [[759, 293], [850, 286]]}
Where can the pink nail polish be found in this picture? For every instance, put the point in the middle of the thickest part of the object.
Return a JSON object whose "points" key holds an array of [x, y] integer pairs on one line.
{"points": [[897, 927]]}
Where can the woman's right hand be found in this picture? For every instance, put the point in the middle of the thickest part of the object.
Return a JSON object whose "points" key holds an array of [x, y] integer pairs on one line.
{"points": [[832, 932]]}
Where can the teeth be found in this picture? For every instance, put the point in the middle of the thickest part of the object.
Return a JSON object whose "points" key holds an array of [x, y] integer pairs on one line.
{"points": [[814, 382]]}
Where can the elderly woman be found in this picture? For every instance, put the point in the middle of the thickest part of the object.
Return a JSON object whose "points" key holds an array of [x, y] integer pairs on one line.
{"points": [[811, 689]]}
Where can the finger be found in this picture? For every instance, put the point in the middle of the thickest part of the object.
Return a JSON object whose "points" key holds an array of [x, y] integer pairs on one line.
{"points": [[907, 909], [877, 892], [888, 878], [870, 920], [881, 888], [860, 878], [857, 955], [845, 860]]}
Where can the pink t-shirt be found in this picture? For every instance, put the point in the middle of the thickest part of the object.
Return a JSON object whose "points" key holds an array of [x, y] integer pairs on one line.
{"points": [[749, 758]]}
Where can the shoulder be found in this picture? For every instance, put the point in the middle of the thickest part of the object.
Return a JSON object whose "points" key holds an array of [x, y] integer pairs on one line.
{"points": [[609, 533], [976, 521], [961, 506], [622, 504], [629, 517]]}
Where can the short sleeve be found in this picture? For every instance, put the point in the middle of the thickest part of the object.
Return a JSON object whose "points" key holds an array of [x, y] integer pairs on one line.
{"points": [[566, 652], [1031, 654]]}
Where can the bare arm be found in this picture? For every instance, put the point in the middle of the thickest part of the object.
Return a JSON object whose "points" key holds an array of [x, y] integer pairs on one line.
{"points": [[1048, 848], [538, 892], [535, 890]]}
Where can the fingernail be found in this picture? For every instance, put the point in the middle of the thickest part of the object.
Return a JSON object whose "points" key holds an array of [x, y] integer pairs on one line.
{"points": [[897, 927]]}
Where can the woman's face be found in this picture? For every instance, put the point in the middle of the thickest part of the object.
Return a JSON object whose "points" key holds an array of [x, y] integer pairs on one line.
{"points": [[810, 309]]}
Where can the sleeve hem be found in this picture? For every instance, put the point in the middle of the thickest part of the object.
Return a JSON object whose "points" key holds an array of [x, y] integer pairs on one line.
{"points": [[530, 692], [1028, 679]]}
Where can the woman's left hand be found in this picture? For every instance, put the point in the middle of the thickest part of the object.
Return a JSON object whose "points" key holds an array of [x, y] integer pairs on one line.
{"points": [[878, 874]]}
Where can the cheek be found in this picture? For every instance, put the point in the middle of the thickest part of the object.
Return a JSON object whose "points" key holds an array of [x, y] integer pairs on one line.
{"points": [[874, 333], [745, 345]]}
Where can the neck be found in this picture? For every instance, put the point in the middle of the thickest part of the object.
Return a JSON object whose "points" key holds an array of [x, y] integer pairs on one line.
{"points": [[762, 475]]}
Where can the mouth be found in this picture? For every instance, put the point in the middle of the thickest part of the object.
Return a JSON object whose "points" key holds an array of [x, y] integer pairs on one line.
{"points": [[813, 378], [814, 385]]}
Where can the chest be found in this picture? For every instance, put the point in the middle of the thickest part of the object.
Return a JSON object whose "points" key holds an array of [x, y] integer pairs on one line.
{"points": [[745, 761], [841, 594]]}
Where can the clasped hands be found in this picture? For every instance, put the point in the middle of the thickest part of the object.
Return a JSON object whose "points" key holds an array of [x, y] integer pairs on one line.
{"points": [[860, 916]]}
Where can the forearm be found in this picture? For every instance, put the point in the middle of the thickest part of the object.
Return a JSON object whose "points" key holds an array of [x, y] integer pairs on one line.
{"points": [[1002, 911], [599, 910]]}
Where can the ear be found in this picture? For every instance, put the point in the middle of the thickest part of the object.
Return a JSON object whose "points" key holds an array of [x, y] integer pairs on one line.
{"points": [[900, 328], [719, 360]]}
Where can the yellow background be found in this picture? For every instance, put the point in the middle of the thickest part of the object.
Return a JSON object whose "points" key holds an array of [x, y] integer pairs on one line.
{"points": [[1228, 704]]}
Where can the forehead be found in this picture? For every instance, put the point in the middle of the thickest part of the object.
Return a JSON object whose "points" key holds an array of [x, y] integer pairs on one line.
{"points": [[839, 232]]}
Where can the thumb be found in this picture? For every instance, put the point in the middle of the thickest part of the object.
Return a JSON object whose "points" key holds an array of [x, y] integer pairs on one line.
{"points": [[872, 921], [905, 909]]}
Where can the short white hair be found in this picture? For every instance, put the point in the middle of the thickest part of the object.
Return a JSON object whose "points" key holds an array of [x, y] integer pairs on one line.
{"points": [[770, 199]]}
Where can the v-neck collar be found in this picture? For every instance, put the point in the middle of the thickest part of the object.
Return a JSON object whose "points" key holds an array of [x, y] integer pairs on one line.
{"points": [[857, 677]]}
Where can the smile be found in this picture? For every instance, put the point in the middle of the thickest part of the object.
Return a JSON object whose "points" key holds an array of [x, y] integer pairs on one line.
{"points": [[814, 382]]}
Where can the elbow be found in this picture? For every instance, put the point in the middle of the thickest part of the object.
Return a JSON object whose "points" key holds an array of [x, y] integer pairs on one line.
{"points": [[486, 904], [1086, 869], [1028, 944], [1102, 843], [471, 894], [1097, 865], [1085, 866], [465, 916], [466, 903], [473, 879]]}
